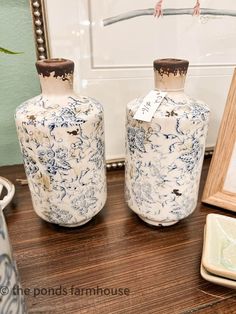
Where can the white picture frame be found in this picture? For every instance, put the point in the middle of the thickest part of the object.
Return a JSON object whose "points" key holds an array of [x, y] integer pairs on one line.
{"points": [[108, 70]]}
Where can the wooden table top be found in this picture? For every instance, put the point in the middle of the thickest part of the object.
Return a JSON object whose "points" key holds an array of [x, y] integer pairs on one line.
{"points": [[159, 267]]}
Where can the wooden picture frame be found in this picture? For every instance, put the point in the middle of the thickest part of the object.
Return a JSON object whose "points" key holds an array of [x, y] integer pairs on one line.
{"points": [[220, 188]]}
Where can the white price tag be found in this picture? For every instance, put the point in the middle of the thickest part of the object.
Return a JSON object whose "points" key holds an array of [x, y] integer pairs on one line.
{"points": [[149, 105]]}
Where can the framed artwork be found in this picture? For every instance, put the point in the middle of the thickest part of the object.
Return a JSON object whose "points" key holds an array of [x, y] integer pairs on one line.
{"points": [[220, 188], [114, 42]]}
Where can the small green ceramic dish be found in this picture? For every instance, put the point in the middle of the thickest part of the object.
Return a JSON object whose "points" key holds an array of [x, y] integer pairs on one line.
{"points": [[219, 252]]}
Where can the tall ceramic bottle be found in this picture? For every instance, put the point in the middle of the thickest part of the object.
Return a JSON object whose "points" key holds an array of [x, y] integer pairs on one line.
{"points": [[164, 157], [62, 141]]}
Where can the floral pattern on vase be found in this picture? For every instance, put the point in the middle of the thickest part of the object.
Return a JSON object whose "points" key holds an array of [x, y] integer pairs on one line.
{"points": [[64, 156], [164, 158], [11, 300]]}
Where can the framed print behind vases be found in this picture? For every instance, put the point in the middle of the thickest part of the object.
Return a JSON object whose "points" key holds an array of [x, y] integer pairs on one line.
{"points": [[220, 188], [114, 42]]}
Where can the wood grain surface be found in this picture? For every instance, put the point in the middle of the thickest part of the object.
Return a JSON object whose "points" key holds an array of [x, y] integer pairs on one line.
{"points": [[214, 192], [159, 266]]}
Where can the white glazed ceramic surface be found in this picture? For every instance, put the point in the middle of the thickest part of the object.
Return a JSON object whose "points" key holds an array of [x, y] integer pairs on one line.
{"points": [[10, 302], [62, 142], [219, 253], [164, 159]]}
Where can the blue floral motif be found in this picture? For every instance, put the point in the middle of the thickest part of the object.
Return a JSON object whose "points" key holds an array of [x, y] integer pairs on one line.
{"points": [[97, 157], [65, 119], [30, 164], [9, 303], [143, 192], [199, 112], [61, 153], [57, 215], [54, 160], [85, 202], [192, 158], [136, 139], [164, 159], [64, 155]]}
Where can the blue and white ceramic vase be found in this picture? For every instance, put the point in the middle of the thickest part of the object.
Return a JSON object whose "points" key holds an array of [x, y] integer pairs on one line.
{"points": [[11, 298], [164, 157], [61, 136]]}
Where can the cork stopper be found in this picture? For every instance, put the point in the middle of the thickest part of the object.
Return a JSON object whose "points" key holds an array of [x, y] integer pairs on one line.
{"points": [[171, 66], [60, 67]]}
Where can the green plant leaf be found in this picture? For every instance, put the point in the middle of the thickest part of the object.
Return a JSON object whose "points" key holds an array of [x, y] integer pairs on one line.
{"points": [[3, 50]]}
